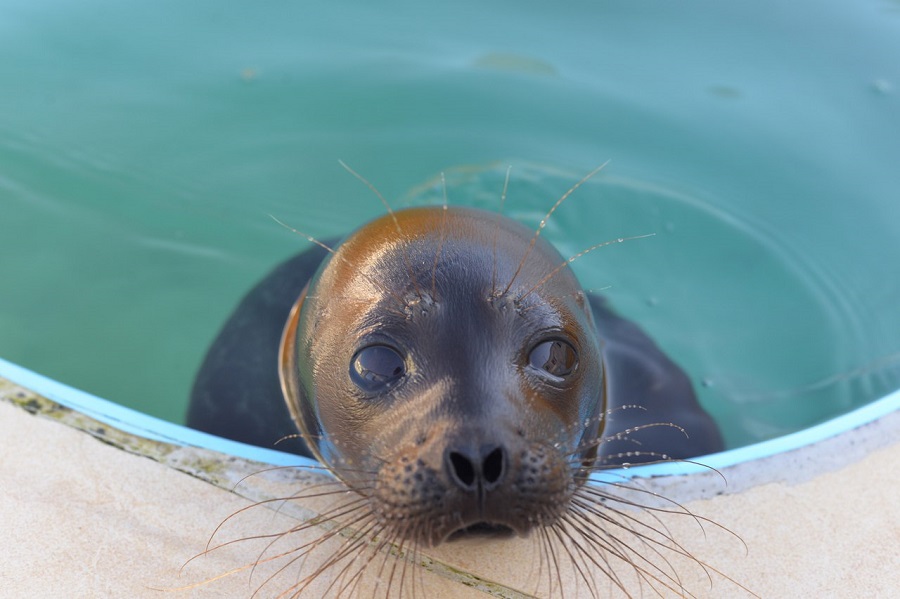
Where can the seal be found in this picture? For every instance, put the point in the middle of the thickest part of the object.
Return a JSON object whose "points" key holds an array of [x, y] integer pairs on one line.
{"points": [[447, 365]]}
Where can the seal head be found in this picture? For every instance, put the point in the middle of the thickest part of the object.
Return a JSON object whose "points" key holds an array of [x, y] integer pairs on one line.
{"points": [[444, 363]]}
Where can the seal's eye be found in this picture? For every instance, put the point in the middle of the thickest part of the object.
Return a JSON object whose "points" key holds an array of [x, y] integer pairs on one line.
{"points": [[377, 367], [556, 358]]}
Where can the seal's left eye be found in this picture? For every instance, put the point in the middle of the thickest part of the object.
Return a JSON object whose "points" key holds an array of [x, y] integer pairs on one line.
{"points": [[556, 358], [377, 367]]}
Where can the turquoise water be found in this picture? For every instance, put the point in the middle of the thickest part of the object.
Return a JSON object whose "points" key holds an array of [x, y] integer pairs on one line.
{"points": [[142, 146]]}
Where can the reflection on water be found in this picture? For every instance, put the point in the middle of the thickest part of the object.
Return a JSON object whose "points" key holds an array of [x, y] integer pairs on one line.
{"points": [[142, 147]]}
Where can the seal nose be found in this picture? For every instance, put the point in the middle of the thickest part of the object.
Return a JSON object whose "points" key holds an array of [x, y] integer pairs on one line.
{"points": [[484, 470]]}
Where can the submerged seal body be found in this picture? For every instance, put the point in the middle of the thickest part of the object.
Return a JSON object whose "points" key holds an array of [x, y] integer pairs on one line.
{"points": [[447, 365]]}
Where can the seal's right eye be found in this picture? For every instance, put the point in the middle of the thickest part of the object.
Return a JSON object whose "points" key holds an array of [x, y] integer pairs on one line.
{"points": [[554, 358], [376, 368]]}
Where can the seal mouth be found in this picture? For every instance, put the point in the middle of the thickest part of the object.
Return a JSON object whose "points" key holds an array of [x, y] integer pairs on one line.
{"points": [[482, 530]]}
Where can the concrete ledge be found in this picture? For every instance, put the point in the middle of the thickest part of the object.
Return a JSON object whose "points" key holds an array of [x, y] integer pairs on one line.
{"points": [[121, 517]]}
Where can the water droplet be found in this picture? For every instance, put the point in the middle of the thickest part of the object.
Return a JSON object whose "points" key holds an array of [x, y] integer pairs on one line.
{"points": [[652, 301], [708, 382]]}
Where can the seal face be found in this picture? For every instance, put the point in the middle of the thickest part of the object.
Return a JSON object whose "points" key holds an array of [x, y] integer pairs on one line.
{"points": [[443, 363], [447, 366]]}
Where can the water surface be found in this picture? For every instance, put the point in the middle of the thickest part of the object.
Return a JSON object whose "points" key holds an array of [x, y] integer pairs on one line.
{"points": [[142, 146]]}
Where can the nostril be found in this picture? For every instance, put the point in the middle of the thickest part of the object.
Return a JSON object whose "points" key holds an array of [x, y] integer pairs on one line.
{"points": [[476, 470], [492, 467], [463, 469]]}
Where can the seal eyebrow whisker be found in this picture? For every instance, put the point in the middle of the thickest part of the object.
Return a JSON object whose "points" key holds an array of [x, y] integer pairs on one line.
{"points": [[397, 226], [374, 189], [306, 236], [523, 310], [440, 247], [343, 259], [543, 223], [497, 232], [572, 259]]}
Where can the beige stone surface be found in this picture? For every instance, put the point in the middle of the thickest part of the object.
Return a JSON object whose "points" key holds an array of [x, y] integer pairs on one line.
{"points": [[83, 518]]}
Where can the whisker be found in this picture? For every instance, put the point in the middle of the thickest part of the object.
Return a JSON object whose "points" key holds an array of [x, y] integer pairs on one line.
{"points": [[397, 226], [680, 510], [569, 261], [543, 223], [497, 232], [606, 567], [440, 247], [574, 558], [618, 548], [333, 252]]}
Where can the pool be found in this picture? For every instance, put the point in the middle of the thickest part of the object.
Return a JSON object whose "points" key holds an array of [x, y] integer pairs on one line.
{"points": [[143, 148]]}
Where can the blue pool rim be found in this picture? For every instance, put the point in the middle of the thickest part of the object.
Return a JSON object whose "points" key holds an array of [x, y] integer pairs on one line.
{"points": [[137, 423]]}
